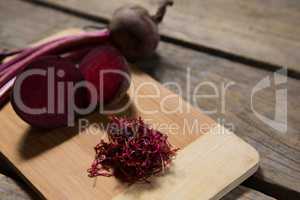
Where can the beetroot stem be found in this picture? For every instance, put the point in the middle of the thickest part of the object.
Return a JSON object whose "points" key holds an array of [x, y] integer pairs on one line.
{"points": [[61, 45], [5, 53], [162, 9]]}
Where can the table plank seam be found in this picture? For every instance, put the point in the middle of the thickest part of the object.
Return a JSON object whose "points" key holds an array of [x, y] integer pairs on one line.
{"points": [[197, 47]]}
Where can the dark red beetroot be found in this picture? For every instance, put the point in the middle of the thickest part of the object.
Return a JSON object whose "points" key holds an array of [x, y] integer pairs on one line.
{"points": [[55, 47], [114, 81], [63, 45], [34, 93], [135, 32]]}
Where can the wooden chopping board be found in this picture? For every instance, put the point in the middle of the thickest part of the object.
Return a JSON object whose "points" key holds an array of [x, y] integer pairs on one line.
{"points": [[212, 161]]}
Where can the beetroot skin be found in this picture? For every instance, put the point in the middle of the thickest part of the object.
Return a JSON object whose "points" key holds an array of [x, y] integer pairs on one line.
{"points": [[135, 32], [113, 85], [34, 93]]}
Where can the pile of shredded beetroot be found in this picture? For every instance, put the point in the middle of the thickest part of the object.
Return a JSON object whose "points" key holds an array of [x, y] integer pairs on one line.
{"points": [[134, 152]]}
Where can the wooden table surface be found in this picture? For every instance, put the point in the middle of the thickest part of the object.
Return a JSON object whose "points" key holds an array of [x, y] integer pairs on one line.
{"points": [[229, 42]]}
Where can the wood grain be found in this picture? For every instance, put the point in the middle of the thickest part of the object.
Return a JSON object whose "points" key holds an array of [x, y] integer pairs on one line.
{"points": [[266, 31], [10, 190], [181, 183], [242, 193], [280, 153], [58, 170]]}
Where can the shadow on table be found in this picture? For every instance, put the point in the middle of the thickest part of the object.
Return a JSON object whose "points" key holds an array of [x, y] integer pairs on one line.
{"points": [[150, 65], [37, 141], [139, 190]]}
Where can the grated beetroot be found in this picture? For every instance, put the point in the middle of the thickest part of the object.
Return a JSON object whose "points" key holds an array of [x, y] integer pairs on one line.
{"points": [[134, 152]]}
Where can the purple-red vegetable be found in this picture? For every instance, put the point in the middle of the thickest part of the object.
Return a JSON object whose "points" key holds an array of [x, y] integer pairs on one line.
{"points": [[59, 46], [34, 93], [134, 152], [5, 53], [134, 31], [77, 55], [23, 53], [5, 91], [56, 47], [108, 71]]}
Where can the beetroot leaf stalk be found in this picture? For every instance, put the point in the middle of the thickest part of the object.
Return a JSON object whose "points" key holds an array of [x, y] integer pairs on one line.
{"points": [[55, 47]]}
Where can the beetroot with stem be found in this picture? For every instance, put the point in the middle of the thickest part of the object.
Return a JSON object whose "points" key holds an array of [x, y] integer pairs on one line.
{"points": [[107, 70], [36, 92], [62, 45], [134, 31], [57, 47]]}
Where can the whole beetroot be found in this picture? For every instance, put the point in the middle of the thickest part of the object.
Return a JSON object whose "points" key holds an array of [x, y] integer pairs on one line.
{"points": [[135, 32]]}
